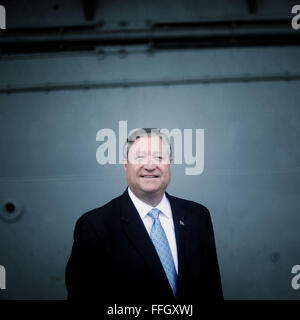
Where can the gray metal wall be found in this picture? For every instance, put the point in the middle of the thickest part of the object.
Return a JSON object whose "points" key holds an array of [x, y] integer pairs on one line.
{"points": [[246, 100]]}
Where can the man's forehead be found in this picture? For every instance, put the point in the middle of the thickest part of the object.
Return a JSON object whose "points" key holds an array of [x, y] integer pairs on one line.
{"points": [[145, 143]]}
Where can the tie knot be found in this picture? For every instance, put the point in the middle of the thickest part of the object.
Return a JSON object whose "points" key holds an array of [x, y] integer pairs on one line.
{"points": [[154, 213]]}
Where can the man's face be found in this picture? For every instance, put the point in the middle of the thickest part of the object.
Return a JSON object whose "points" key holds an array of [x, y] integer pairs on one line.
{"points": [[148, 168]]}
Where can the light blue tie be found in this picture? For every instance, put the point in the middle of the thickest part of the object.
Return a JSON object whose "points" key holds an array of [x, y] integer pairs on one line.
{"points": [[162, 247]]}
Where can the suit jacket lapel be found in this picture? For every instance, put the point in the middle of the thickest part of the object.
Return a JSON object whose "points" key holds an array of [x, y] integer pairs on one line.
{"points": [[135, 230]]}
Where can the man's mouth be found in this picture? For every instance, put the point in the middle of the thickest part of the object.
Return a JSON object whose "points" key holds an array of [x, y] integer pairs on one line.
{"points": [[149, 176]]}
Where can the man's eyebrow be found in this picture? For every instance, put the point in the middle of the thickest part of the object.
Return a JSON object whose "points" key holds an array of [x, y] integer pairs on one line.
{"points": [[157, 153], [140, 152], [153, 153], [160, 152]]}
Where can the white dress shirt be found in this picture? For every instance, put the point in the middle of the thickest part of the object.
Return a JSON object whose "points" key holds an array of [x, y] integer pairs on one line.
{"points": [[166, 220]]}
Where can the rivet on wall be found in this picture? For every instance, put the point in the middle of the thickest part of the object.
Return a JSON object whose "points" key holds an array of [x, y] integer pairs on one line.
{"points": [[11, 210], [275, 257]]}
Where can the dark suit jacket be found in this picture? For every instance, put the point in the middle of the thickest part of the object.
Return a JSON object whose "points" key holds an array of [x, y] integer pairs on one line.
{"points": [[113, 259]]}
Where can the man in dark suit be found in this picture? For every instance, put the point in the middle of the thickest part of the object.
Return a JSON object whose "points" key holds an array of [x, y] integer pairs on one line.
{"points": [[145, 246]]}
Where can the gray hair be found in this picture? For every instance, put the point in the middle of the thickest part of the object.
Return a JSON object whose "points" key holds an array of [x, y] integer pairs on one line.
{"points": [[143, 132]]}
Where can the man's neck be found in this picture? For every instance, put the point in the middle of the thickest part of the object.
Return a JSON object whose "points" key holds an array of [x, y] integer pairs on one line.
{"points": [[151, 199]]}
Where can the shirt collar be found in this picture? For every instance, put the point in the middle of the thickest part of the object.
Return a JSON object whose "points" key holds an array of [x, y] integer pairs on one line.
{"points": [[143, 208]]}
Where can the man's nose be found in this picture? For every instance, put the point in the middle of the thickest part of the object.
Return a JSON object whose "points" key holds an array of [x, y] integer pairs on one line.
{"points": [[149, 165]]}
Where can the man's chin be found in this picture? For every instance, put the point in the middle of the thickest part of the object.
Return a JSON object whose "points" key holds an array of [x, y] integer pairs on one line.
{"points": [[151, 189]]}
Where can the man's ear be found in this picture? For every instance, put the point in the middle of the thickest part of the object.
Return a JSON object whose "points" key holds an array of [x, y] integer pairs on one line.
{"points": [[125, 163]]}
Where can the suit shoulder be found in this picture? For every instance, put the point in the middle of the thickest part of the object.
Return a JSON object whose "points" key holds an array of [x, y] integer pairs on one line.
{"points": [[101, 213], [192, 206]]}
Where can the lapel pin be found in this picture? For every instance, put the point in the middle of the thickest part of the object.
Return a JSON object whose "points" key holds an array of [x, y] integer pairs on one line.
{"points": [[181, 223]]}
